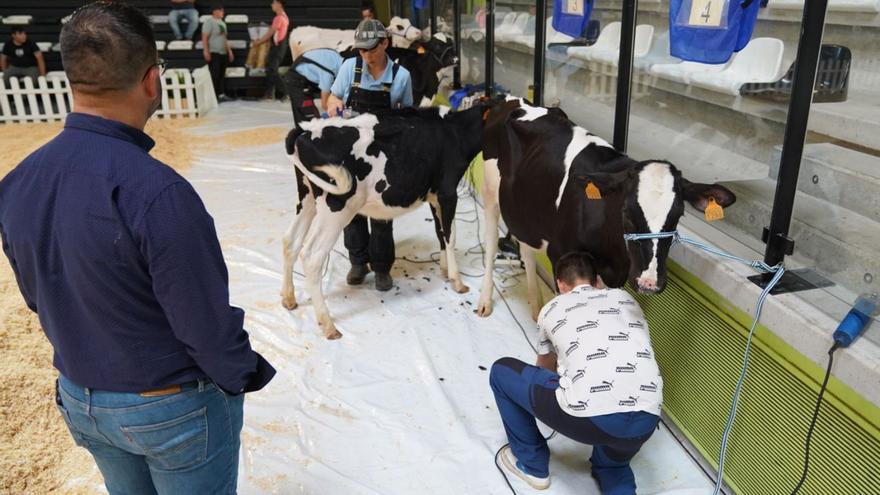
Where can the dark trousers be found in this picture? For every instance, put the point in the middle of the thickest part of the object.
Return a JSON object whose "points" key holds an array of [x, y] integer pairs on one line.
{"points": [[302, 94], [217, 68], [524, 393], [274, 84], [374, 245]]}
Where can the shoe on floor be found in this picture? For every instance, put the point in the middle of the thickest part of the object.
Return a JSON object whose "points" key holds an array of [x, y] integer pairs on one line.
{"points": [[384, 281], [357, 274], [512, 464]]}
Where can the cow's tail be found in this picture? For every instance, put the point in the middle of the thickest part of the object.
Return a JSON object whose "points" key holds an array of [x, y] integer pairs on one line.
{"points": [[342, 180]]}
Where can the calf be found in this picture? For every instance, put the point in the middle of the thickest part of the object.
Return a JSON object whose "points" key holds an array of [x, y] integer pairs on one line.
{"points": [[540, 169], [379, 166], [402, 32]]}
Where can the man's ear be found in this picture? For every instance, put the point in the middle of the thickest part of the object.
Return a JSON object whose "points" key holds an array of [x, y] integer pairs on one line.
{"points": [[152, 84], [698, 194], [597, 185]]}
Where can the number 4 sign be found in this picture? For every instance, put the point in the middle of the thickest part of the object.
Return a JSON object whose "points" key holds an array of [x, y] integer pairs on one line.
{"points": [[706, 12]]}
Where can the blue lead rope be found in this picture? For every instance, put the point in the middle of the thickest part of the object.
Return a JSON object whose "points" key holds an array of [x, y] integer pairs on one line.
{"points": [[777, 271]]}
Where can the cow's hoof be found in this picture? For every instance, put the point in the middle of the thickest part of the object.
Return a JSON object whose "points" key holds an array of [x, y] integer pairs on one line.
{"points": [[484, 310], [335, 335], [289, 302], [460, 287]]}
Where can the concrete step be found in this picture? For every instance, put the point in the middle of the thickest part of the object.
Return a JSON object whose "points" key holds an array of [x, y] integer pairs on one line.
{"points": [[838, 243], [839, 175]]}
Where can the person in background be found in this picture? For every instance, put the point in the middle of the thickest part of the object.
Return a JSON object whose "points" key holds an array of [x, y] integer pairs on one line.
{"points": [[370, 82], [118, 257], [311, 75], [183, 9], [22, 57], [368, 11], [277, 37], [596, 381], [216, 49]]}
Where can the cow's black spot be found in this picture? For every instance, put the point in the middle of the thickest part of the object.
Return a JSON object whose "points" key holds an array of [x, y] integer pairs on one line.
{"points": [[381, 185]]}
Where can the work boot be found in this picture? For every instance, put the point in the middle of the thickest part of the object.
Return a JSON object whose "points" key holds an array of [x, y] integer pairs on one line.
{"points": [[384, 281], [357, 274]]}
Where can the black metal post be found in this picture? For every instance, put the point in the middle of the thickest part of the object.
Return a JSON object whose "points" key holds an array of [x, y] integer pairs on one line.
{"points": [[433, 14], [456, 33], [540, 33], [776, 234], [490, 46], [624, 74]]}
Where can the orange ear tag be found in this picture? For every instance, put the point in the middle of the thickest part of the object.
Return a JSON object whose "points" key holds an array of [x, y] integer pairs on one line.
{"points": [[713, 211], [420, 50], [592, 191], [486, 115]]}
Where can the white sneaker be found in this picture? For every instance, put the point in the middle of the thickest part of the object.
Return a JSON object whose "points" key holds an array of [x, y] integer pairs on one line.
{"points": [[510, 462]]}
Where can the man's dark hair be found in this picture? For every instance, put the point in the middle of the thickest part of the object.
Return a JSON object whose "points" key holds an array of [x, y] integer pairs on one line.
{"points": [[107, 45], [17, 29], [575, 266], [282, 2], [369, 7], [217, 6]]}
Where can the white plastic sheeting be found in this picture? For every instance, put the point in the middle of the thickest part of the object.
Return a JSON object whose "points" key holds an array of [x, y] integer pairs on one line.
{"points": [[401, 404]]}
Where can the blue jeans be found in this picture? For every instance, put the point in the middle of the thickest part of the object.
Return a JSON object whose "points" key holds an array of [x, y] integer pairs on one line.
{"points": [[524, 393], [191, 15], [185, 442]]}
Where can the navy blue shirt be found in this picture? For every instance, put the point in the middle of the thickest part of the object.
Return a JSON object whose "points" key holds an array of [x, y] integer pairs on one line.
{"points": [[117, 255]]}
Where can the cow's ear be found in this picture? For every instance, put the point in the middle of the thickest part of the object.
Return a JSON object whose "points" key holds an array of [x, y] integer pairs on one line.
{"points": [[698, 194], [599, 184]]}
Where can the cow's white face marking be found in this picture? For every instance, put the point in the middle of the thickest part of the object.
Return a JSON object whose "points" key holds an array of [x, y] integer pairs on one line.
{"points": [[580, 139], [655, 197], [532, 113]]}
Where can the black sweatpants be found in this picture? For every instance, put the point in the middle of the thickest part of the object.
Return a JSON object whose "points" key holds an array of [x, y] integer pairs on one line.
{"points": [[374, 245], [302, 94], [274, 84], [217, 68]]}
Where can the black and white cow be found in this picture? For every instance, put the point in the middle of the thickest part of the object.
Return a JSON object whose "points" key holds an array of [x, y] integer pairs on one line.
{"points": [[537, 167], [379, 166]]}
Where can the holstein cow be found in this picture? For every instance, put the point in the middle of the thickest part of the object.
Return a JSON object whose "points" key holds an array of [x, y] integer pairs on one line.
{"points": [[425, 61], [540, 169], [379, 166], [402, 32]]}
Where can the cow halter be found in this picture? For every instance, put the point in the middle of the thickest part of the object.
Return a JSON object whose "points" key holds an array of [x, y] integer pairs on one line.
{"points": [[677, 237]]}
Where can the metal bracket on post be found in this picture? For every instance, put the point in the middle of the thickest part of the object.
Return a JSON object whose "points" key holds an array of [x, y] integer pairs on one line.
{"points": [[786, 244]]}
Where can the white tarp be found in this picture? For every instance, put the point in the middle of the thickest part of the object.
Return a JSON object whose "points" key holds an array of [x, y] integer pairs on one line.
{"points": [[401, 404]]}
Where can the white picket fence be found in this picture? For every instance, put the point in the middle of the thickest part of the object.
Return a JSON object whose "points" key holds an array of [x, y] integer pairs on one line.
{"points": [[185, 94]]}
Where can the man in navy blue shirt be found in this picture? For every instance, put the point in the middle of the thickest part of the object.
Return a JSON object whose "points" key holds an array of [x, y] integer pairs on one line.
{"points": [[118, 257]]}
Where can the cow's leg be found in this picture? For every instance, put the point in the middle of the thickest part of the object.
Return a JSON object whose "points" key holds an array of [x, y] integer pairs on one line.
{"points": [[438, 229], [527, 253], [491, 210], [293, 241], [446, 210], [318, 245]]}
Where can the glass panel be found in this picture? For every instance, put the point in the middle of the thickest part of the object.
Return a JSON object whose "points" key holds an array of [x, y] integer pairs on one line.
{"points": [[514, 56], [473, 39]]}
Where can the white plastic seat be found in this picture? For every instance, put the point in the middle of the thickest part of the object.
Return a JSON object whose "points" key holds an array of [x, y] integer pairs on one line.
{"points": [[760, 61], [56, 74], [658, 54], [608, 40], [18, 19], [44, 46], [160, 45], [236, 72], [550, 35], [179, 45], [683, 71], [237, 44], [518, 28], [237, 19], [833, 5], [159, 19], [644, 35], [56, 47], [507, 25]]}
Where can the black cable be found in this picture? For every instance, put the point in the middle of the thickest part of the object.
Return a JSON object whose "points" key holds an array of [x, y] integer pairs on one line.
{"points": [[813, 421]]}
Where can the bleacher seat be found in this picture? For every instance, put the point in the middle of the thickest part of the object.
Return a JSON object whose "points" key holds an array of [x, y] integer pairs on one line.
{"points": [[234, 44], [159, 19], [236, 19], [760, 61], [179, 45], [56, 74], [551, 36], [18, 19], [644, 36], [609, 40], [56, 47], [509, 32], [160, 45], [833, 5], [236, 72], [683, 71], [658, 54], [44, 46]]}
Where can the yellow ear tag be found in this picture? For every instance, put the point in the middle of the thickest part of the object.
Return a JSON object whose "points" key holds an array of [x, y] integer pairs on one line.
{"points": [[420, 50], [713, 211], [592, 191]]}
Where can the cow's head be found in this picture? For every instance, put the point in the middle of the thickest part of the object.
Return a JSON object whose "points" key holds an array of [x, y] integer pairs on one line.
{"points": [[652, 199], [403, 28]]}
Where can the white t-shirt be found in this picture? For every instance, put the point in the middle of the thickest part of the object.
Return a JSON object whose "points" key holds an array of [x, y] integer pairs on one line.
{"points": [[604, 355]]}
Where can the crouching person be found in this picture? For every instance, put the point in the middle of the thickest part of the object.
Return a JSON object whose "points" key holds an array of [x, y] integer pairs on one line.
{"points": [[596, 382], [118, 257]]}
